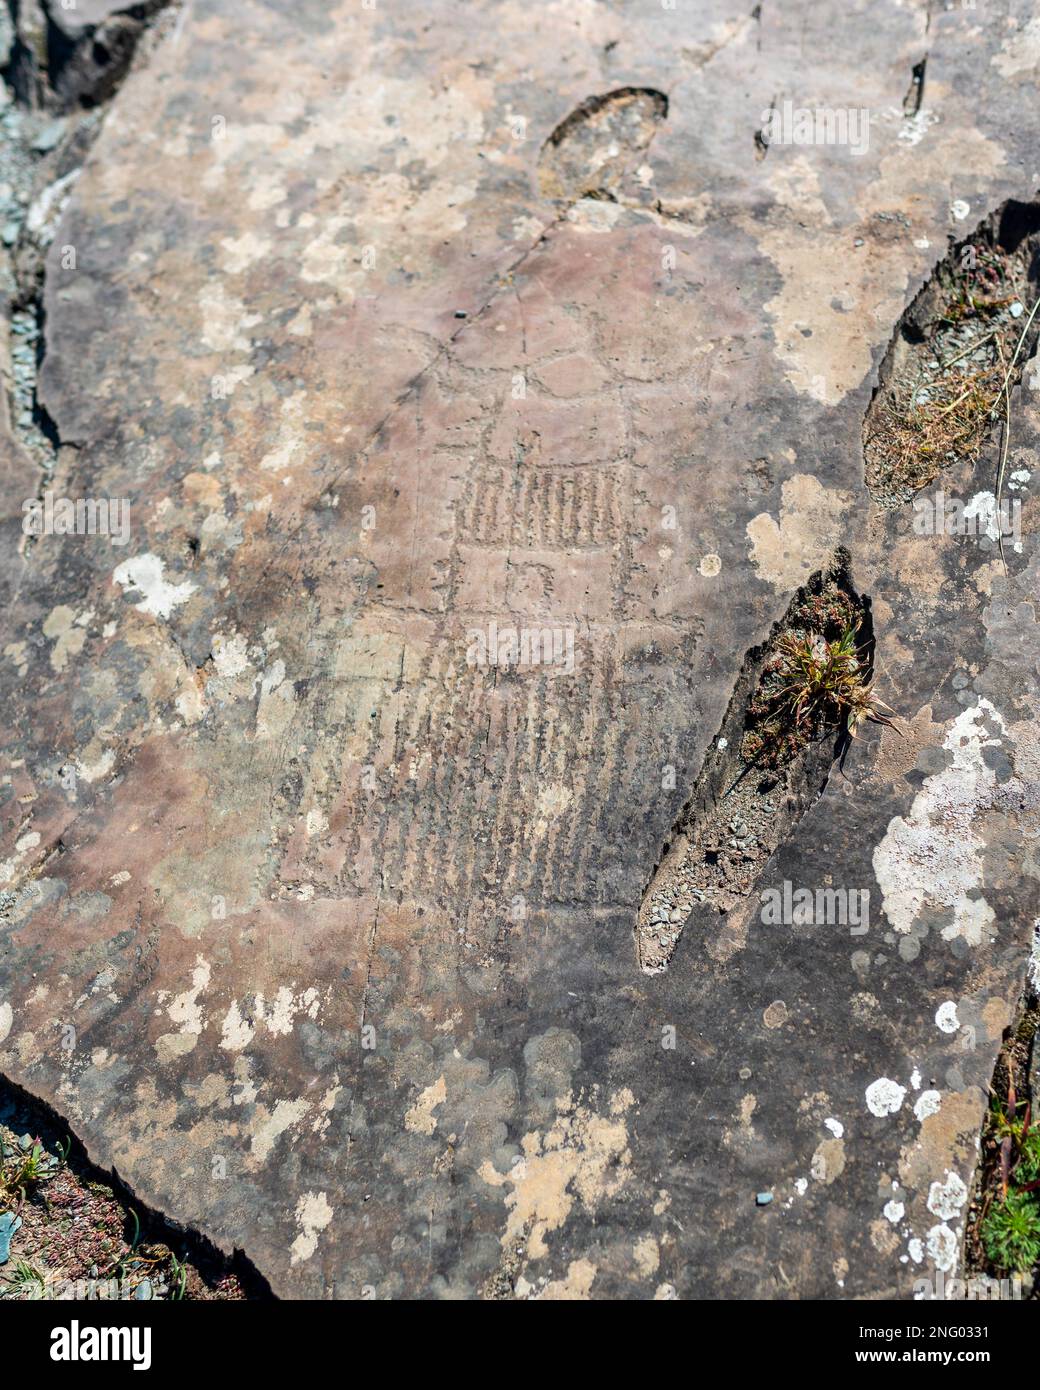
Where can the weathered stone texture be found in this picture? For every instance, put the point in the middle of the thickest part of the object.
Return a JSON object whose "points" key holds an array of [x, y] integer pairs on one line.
{"points": [[330, 905]]}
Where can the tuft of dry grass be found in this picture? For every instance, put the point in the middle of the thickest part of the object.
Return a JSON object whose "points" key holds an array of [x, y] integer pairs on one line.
{"points": [[940, 410], [922, 437], [817, 678]]}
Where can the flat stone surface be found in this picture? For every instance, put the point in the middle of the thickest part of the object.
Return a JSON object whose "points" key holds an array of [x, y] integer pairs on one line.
{"points": [[322, 935]]}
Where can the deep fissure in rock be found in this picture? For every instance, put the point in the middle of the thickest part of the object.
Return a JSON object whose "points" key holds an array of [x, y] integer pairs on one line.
{"points": [[915, 92], [939, 398], [1016, 1067], [58, 62], [747, 799], [155, 1228], [59, 76], [943, 394]]}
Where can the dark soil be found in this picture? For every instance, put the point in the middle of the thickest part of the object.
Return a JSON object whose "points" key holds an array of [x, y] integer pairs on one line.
{"points": [[83, 1237]]}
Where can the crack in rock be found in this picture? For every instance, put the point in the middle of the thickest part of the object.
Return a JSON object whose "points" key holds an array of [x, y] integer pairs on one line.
{"points": [[740, 811]]}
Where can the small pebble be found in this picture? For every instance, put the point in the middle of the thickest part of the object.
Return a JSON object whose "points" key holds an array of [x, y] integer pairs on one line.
{"points": [[49, 137], [9, 1225]]}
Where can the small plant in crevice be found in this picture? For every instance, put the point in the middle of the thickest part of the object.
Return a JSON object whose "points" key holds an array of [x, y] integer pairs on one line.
{"points": [[178, 1278], [1009, 1221], [945, 383], [1010, 1232], [771, 759], [65, 1232], [25, 1283], [22, 1170], [817, 678]]}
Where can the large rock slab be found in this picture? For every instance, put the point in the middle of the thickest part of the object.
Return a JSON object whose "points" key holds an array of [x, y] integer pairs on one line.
{"points": [[320, 930]]}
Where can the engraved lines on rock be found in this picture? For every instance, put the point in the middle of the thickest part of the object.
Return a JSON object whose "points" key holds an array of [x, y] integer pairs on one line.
{"points": [[472, 747]]}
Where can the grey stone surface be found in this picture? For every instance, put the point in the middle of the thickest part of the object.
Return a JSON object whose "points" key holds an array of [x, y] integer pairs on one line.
{"points": [[342, 925]]}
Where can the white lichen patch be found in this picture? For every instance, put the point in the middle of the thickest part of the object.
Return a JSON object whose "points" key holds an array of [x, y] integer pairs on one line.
{"points": [[593, 215], [277, 703], [278, 1017], [23, 848], [982, 509], [927, 1103], [185, 1009], [942, 1247], [236, 1032], [326, 1106], [1021, 52], [145, 574], [269, 1127], [945, 1199], [97, 770], [230, 659], [68, 636], [18, 654], [225, 323], [932, 856], [946, 1019], [289, 445], [186, 1012], [884, 1096], [313, 1214], [239, 253]]}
